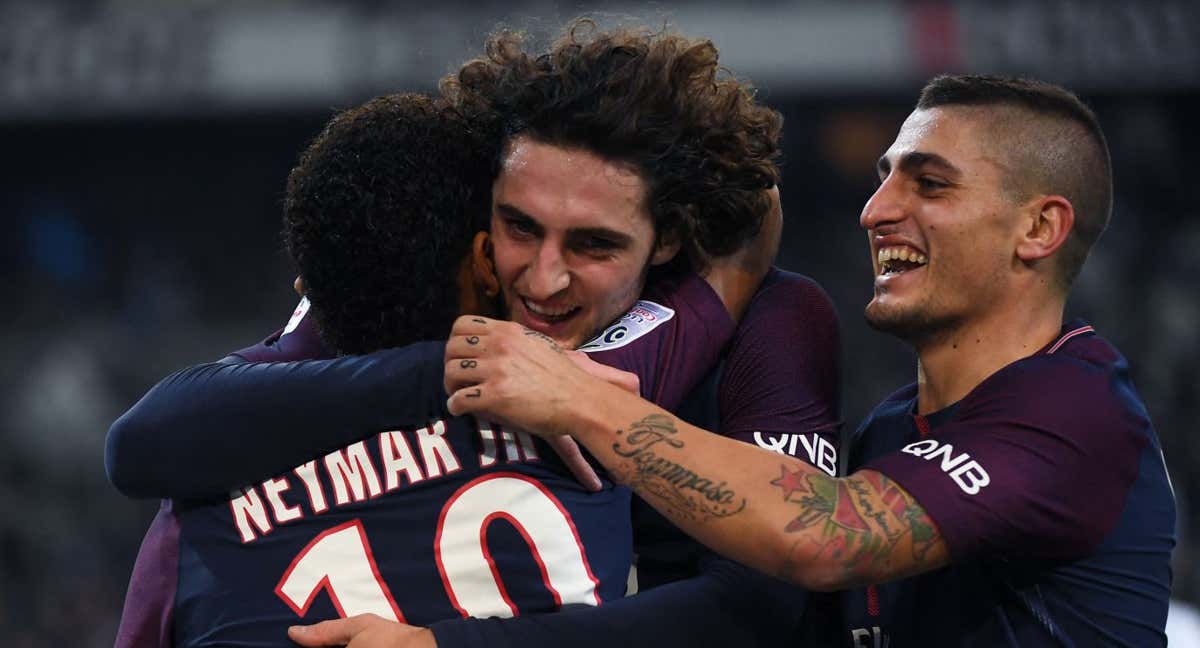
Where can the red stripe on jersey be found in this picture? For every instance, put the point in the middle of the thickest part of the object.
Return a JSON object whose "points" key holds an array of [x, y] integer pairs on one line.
{"points": [[922, 425], [1067, 336]]}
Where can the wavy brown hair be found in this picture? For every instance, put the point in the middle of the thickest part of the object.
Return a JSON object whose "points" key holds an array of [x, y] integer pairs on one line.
{"points": [[654, 100]]}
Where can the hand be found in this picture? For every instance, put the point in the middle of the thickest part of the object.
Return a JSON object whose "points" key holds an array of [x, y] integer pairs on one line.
{"points": [[507, 373], [623, 379], [363, 631], [565, 447]]}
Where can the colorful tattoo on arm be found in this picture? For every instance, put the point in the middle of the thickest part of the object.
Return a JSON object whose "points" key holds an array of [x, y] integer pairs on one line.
{"points": [[865, 523]]}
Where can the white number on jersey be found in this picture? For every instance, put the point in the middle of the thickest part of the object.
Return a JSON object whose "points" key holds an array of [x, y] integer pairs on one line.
{"points": [[340, 561]]}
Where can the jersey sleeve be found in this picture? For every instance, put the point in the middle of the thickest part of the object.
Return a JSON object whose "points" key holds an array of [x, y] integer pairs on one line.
{"points": [[726, 605], [670, 339], [781, 380], [209, 428], [147, 619], [1036, 463], [298, 340]]}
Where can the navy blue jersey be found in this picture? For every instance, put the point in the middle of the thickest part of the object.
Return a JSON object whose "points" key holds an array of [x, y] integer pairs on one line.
{"points": [[1048, 485], [443, 519], [453, 518]]}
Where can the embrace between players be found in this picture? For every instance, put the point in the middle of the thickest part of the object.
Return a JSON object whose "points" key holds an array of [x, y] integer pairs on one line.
{"points": [[617, 195]]}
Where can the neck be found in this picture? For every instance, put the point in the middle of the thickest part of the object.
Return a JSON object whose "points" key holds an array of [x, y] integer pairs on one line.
{"points": [[954, 363]]}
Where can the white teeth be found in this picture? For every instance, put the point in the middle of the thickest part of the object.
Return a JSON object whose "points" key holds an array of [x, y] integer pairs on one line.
{"points": [[548, 312], [899, 253]]}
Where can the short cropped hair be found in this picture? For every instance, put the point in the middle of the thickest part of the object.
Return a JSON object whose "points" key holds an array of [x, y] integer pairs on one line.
{"points": [[380, 211], [1055, 146], [653, 100]]}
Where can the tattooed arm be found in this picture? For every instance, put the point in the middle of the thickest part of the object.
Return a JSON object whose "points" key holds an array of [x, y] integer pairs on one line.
{"points": [[822, 532]]}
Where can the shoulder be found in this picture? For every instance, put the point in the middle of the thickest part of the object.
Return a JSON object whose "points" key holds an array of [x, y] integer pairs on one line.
{"points": [[793, 309], [1073, 407], [783, 291], [1085, 383], [298, 340], [642, 318]]}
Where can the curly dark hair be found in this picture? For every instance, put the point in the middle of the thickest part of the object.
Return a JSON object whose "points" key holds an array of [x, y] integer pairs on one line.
{"points": [[380, 211], [654, 100]]}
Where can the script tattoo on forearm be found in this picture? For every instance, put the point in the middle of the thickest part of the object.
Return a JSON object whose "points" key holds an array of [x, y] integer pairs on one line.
{"points": [[650, 473], [865, 522]]}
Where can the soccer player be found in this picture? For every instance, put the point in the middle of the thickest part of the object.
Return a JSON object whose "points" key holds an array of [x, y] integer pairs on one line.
{"points": [[389, 186], [531, 226], [1017, 487]]}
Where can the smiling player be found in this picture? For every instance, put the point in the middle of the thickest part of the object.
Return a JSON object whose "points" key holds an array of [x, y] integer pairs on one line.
{"points": [[1018, 487]]}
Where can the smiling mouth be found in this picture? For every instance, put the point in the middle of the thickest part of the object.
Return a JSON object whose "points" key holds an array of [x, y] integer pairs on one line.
{"points": [[550, 315], [899, 259]]}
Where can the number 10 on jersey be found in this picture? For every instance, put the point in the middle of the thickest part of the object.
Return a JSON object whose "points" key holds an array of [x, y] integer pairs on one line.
{"points": [[340, 560]]}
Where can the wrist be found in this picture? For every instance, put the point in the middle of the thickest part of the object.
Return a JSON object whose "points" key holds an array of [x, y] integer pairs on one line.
{"points": [[426, 638], [600, 412]]}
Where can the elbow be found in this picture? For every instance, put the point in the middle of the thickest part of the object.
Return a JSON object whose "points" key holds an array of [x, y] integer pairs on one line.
{"points": [[823, 576], [120, 463], [827, 579], [810, 566]]}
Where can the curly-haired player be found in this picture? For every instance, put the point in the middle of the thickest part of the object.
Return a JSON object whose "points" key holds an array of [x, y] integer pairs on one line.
{"points": [[374, 191], [620, 148]]}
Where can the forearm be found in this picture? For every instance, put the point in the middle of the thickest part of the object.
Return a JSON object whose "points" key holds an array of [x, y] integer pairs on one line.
{"points": [[727, 605], [210, 428], [772, 512]]}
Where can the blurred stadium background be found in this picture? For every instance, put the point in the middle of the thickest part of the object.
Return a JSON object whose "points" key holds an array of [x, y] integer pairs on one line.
{"points": [[145, 147]]}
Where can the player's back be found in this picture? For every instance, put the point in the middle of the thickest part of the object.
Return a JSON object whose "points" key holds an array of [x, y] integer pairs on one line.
{"points": [[454, 518]]}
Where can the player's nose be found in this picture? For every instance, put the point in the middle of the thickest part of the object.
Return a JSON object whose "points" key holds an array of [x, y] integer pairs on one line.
{"points": [[548, 274], [885, 206]]}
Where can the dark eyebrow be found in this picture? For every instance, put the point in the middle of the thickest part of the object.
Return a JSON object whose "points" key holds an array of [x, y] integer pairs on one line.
{"points": [[620, 239], [513, 212], [910, 162], [617, 238]]}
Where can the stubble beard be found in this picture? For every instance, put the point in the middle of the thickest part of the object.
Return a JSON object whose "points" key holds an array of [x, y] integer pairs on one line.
{"points": [[917, 324]]}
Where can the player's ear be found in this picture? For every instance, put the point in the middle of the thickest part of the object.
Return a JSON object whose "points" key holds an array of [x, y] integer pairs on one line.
{"points": [[665, 248], [1046, 223], [482, 267], [299, 287]]}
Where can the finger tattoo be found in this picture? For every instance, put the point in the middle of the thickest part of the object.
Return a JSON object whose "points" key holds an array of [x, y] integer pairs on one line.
{"points": [[475, 394], [468, 364], [472, 339]]}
